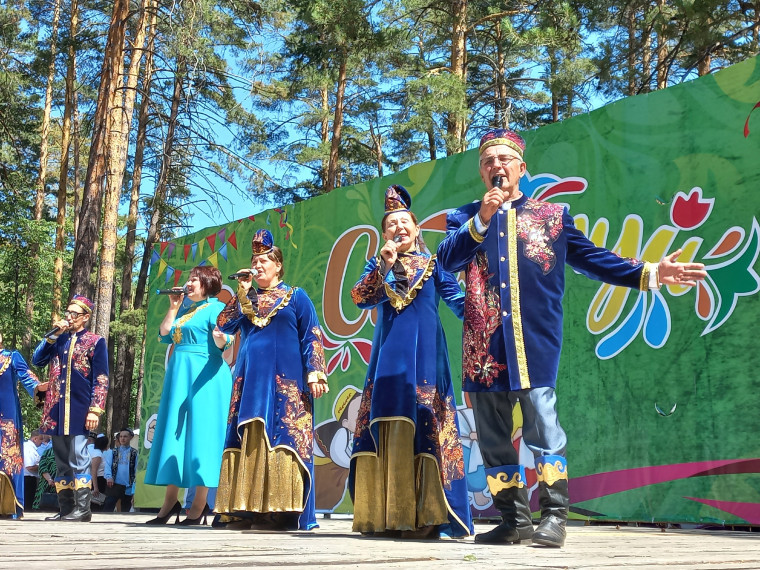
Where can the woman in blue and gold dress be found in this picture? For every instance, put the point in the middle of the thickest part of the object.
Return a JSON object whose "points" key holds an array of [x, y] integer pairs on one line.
{"points": [[267, 478], [189, 437], [13, 369], [407, 474]]}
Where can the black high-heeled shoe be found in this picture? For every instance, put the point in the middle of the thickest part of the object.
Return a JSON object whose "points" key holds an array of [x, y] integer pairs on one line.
{"points": [[175, 510], [197, 521]]}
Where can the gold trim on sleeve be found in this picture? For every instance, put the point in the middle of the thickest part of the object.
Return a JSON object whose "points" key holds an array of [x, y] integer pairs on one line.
{"points": [[473, 232]]}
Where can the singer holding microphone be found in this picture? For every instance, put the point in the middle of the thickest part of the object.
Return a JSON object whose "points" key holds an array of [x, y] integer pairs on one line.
{"points": [[267, 478], [514, 250], [74, 401], [407, 475], [189, 434]]}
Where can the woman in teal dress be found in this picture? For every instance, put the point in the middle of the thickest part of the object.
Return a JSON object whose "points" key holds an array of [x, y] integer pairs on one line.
{"points": [[13, 369], [189, 437], [407, 476], [267, 477]]}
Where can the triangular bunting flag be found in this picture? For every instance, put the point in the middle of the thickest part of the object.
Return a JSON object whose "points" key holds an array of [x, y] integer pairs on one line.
{"points": [[177, 275], [169, 273], [200, 248], [170, 249], [232, 240], [220, 234], [154, 257], [195, 250], [188, 247], [161, 266], [223, 251], [163, 246], [212, 259], [211, 241]]}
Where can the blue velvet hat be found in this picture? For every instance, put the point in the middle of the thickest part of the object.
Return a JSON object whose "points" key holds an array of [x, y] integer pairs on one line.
{"points": [[262, 242], [397, 199]]}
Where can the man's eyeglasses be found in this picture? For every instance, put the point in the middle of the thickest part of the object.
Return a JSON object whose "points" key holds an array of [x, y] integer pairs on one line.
{"points": [[504, 160], [72, 314]]}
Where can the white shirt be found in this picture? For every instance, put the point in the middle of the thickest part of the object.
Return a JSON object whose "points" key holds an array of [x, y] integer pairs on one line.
{"points": [[97, 453], [31, 457]]}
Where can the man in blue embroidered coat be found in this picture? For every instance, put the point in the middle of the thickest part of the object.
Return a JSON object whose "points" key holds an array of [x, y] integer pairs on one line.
{"points": [[75, 398], [514, 250]]}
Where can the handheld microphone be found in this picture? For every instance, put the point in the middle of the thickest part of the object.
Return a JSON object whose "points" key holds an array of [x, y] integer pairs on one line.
{"points": [[239, 274], [173, 291], [54, 331], [496, 181], [397, 239]]}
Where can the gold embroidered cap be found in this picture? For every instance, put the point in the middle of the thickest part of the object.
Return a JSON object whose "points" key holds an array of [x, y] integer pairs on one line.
{"points": [[82, 302], [506, 137]]}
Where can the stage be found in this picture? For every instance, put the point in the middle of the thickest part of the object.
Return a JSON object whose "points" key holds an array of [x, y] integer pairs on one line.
{"points": [[116, 541]]}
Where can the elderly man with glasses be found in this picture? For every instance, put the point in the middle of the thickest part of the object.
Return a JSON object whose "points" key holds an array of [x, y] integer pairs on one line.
{"points": [[76, 397]]}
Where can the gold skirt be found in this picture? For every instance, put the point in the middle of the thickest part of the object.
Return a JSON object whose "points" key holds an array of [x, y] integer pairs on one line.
{"points": [[396, 490], [258, 479], [7, 496]]}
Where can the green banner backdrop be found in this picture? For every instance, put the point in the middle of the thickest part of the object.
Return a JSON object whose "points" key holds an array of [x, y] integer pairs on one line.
{"points": [[657, 391]]}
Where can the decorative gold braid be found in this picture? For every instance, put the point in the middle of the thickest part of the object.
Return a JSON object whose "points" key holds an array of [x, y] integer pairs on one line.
{"points": [[511, 144], [473, 232], [644, 278], [259, 321], [397, 301], [550, 473], [501, 481], [177, 334], [514, 280], [4, 365]]}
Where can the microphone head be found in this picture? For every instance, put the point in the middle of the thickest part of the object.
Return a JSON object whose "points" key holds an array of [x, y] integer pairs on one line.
{"points": [[397, 239], [496, 181], [254, 273]]}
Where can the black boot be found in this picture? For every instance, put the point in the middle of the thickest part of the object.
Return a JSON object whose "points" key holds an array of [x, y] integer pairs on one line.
{"points": [[65, 504], [555, 501], [512, 502], [81, 512]]}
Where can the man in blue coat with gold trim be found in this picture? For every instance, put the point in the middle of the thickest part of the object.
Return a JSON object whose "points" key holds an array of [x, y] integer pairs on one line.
{"points": [[74, 401], [514, 250]]}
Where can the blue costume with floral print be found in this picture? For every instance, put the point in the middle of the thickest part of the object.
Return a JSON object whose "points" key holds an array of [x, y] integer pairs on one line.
{"points": [[515, 283], [281, 351], [78, 381], [13, 369], [408, 374]]}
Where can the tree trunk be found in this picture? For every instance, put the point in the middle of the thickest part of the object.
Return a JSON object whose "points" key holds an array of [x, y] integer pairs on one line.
{"points": [[646, 64], [662, 49], [77, 165], [125, 344], [60, 229], [85, 249], [455, 122], [34, 246], [325, 130], [159, 196], [431, 141], [332, 167], [631, 29], [116, 158], [502, 106]]}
